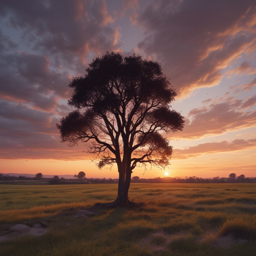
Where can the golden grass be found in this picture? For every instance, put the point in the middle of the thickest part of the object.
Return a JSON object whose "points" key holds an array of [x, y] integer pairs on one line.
{"points": [[183, 211], [17, 215], [239, 228]]}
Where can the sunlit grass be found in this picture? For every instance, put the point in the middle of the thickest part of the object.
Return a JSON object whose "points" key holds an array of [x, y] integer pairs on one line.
{"points": [[16, 215], [190, 217], [243, 228]]}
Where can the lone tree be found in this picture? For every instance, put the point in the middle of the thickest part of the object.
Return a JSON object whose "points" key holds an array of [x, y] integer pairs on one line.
{"points": [[80, 175], [136, 178], [39, 176], [122, 111]]}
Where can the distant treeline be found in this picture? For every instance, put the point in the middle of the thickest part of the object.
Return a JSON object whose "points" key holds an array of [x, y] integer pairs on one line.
{"points": [[56, 180], [231, 179], [195, 180]]}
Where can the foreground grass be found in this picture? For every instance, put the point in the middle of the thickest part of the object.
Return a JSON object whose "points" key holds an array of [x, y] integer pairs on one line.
{"points": [[187, 213]]}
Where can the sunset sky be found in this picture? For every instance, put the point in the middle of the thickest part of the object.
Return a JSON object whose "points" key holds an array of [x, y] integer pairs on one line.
{"points": [[206, 47]]}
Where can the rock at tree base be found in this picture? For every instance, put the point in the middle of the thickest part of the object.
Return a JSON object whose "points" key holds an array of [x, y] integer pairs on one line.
{"points": [[20, 228]]}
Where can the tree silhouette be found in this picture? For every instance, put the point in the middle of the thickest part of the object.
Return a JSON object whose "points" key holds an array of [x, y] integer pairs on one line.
{"points": [[54, 180], [136, 178], [232, 176], [122, 111], [39, 176], [80, 175], [241, 177]]}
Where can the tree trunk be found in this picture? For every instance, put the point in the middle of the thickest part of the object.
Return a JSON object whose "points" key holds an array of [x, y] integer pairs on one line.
{"points": [[121, 181], [122, 197], [123, 188]]}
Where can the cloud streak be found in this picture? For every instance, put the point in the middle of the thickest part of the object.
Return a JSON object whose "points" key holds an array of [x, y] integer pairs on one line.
{"points": [[214, 148], [69, 29], [195, 40], [249, 86], [218, 118]]}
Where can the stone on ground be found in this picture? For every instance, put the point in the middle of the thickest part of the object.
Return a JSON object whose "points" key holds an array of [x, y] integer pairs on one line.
{"points": [[84, 213], [225, 242], [20, 228]]}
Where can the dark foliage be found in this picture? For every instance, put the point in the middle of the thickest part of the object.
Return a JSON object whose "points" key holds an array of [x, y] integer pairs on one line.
{"points": [[80, 175], [55, 180], [39, 176], [122, 110]]}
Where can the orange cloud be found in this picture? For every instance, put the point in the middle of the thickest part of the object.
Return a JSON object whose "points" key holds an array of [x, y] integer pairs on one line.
{"points": [[251, 48], [251, 101], [248, 86], [62, 154], [244, 67], [213, 148], [192, 47], [218, 118]]}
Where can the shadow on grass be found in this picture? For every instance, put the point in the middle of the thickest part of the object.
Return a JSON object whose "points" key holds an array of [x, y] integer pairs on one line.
{"points": [[113, 218], [178, 227]]}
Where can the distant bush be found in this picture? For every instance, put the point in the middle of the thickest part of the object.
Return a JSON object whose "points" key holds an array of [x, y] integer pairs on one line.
{"points": [[39, 176], [81, 175], [135, 179], [54, 180]]}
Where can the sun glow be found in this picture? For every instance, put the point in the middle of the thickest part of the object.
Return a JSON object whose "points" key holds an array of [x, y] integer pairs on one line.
{"points": [[166, 173]]}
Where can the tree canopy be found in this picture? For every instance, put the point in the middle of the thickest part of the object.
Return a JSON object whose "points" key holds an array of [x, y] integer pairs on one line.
{"points": [[39, 176], [80, 175], [122, 110]]}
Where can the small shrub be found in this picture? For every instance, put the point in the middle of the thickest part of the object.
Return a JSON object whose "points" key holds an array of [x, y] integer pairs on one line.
{"points": [[210, 220], [185, 245], [246, 200], [239, 229], [210, 202], [177, 227], [229, 200], [158, 240], [135, 232], [197, 230], [200, 209], [183, 207]]}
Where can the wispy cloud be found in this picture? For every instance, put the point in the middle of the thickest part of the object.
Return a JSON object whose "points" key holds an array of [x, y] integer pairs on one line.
{"points": [[214, 147], [195, 40], [218, 118]]}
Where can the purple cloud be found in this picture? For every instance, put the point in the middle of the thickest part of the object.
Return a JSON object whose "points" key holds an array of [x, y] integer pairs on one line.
{"points": [[218, 118], [195, 40]]}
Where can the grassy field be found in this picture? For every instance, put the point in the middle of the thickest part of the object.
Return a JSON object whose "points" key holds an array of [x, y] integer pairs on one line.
{"points": [[177, 219]]}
